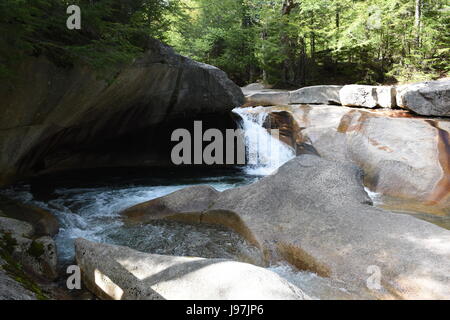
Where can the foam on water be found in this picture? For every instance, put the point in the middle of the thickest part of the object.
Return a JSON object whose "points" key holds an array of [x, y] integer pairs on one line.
{"points": [[374, 196], [265, 153]]}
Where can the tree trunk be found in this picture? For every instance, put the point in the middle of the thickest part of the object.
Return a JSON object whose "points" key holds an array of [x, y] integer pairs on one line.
{"points": [[418, 21], [288, 5], [264, 72], [338, 18]]}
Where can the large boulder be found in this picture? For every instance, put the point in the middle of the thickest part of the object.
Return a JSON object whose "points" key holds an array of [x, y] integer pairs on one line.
{"points": [[403, 156], [37, 255], [316, 95], [16, 227], [120, 273], [430, 98], [267, 98], [77, 118], [254, 87], [315, 214], [386, 96], [358, 96], [43, 221], [367, 96]]}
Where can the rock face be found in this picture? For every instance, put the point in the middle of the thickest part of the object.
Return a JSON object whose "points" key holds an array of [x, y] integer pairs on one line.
{"points": [[367, 96], [120, 273], [430, 98], [316, 95], [36, 255], [402, 156], [315, 214], [53, 116]]}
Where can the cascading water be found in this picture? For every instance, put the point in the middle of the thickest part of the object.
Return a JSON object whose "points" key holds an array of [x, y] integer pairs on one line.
{"points": [[265, 153]]}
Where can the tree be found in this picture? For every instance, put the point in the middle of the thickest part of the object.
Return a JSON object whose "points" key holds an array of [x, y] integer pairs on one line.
{"points": [[417, 20], [113, 31]]}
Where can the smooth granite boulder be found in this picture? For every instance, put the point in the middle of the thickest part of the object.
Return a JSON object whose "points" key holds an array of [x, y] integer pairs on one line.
{"points": [[431, 98], [359, 96], [121, 273], [316, 95], [267, 98]]}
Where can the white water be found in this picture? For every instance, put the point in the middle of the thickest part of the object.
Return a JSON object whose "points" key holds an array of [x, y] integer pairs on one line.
{"points": [[265, 153], [94, 214]]}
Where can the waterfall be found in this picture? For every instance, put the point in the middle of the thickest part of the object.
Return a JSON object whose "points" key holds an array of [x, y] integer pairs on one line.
{"points": [[265, 153]]}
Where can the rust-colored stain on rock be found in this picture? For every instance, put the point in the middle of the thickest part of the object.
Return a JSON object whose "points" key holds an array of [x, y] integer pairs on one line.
{"points": [[348, 123], [377, 144], [442, 189]]}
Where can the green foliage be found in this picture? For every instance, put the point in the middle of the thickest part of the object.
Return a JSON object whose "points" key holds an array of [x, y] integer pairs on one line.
{"points": [[218, 32], [112, 31], [319, 41], [315, 41], [36, 249], [14, 269], [8, 243]]}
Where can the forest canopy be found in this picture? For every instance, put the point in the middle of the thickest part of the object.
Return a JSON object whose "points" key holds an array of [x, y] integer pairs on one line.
{"points": [[112, 31], [301, 42], [289, 43]]}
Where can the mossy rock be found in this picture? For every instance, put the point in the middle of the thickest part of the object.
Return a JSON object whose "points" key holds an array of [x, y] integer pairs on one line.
{"points": [[8, 243], [36, 249], [15, 271]]}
